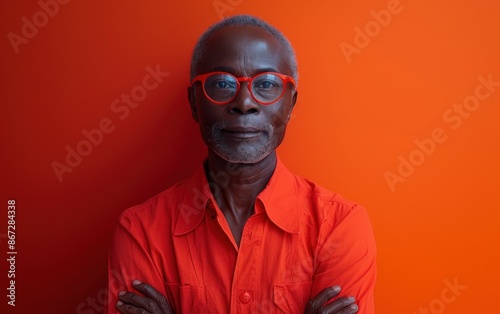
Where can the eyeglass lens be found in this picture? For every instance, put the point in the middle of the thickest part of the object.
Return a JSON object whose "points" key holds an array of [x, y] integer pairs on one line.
{"points": [[266, 87]]}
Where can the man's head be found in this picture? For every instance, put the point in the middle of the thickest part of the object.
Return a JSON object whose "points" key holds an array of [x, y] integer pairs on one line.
{"points": [[242, 121], [243, 20]]}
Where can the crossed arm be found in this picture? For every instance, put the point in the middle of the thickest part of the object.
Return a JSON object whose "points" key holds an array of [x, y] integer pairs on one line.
{"points": [[153, 302]]}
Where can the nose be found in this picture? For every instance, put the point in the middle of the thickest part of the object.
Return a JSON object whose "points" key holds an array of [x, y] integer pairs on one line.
{"points": [[244, 102]]}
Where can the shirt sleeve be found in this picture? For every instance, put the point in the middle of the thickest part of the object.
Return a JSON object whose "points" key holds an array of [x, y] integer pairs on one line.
{"points": [[129, 259], [346, 256]]}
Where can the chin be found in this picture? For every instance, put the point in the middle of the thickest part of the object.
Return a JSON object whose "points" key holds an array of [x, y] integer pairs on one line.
{"points": [[242, 156]]}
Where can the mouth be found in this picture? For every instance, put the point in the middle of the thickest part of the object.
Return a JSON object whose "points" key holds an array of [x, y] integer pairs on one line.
{"points": [[242, 132]]}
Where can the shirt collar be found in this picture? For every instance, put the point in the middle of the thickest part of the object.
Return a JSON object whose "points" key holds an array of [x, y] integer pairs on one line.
{"points": [[279, 200], [194, 202]]}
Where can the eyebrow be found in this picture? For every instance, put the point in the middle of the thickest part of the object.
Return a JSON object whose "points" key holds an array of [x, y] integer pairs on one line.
{"points": [[232, 70]]}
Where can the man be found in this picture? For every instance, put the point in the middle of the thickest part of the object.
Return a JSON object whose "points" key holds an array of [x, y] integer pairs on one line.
{"points": [[243, 235]]}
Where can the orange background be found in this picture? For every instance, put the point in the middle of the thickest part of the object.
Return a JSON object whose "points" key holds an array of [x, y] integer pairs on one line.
{"points": [[352, 122]]}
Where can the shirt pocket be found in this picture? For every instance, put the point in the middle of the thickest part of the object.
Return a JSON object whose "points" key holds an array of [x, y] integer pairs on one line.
{"points": [[292, 297], [186, 298]]}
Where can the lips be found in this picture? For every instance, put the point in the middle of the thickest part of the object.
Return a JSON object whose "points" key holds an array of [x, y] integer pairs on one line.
{"points": [[242, 132]]}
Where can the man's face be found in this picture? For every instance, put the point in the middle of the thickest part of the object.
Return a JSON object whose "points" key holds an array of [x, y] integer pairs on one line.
{"points": [[242, 131]]}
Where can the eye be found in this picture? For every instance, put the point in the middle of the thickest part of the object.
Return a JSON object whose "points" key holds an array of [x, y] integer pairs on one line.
{"points": [[223, 84], [266, 84]]}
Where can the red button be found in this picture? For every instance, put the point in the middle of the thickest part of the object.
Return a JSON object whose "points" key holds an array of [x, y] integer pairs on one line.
{"points": [[245, 297]]}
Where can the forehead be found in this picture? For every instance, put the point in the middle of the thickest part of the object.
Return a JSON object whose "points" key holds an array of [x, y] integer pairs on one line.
{"points": [[243, 51]]}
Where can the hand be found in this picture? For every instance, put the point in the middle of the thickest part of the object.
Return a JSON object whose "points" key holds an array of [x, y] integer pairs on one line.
{"points": [[344, 305], [152, 301]]}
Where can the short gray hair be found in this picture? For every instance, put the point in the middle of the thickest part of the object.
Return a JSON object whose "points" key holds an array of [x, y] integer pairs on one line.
{"points": [[243, 20]]}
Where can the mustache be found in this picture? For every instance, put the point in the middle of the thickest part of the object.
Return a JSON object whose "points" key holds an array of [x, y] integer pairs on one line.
{"points": [[242, 126]]}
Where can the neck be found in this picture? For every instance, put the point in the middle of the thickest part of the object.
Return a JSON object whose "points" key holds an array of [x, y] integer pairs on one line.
{"points": [[237, 185]]}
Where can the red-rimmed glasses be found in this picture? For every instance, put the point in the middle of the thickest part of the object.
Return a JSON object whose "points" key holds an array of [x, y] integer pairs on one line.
{"points": [[222, 87]]}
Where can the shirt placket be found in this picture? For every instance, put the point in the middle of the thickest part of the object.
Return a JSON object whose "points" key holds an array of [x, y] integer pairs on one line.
{"points": [[244, 290]]}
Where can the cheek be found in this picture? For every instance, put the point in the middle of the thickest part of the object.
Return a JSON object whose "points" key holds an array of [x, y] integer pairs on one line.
{"points": [[280, 118], [210, 122], [208, 113], [204, 108]]}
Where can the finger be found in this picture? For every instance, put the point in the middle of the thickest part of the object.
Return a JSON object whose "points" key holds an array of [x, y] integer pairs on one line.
{"points": [[154, 294], [129, 309], [343, 305], [351, 309], [317, 302], [139, 301]]}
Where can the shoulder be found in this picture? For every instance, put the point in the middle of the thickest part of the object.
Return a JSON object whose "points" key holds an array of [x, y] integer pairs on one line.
{"points": [[324, 205], [338, 220], [334, 223], [161, 207]]}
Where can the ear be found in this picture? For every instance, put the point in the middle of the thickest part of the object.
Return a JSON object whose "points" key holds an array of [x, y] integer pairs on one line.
{"points": [[294, 100], [294, 97], [192, 102]]}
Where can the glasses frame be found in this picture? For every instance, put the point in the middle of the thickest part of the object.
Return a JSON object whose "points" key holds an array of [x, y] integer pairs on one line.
{"points": [[203, 77]]}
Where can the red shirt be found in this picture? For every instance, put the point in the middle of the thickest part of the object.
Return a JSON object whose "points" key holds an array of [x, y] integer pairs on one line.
{"points": [[301, 239]]}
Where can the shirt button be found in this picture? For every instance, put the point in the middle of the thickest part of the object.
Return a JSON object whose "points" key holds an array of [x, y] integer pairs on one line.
{"points": [[245, 297]]}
